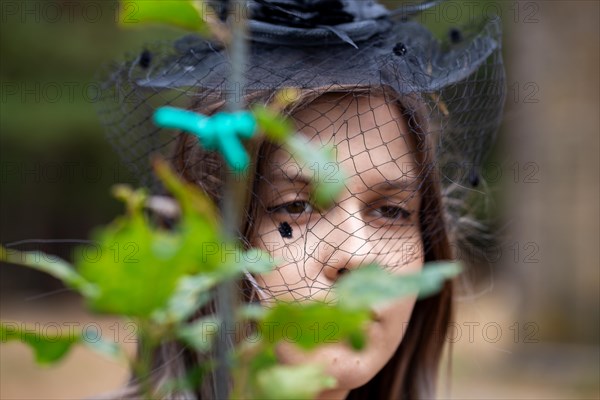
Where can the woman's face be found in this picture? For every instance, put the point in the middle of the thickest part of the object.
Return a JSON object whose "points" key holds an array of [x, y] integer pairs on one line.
{"points": [[375, 219]]}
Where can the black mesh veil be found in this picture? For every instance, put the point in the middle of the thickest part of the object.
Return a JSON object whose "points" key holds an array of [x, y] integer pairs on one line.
{"points": [[411, 119]]}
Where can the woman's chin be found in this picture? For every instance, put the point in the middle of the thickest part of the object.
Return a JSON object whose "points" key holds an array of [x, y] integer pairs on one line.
{"points": [[350, 368]]}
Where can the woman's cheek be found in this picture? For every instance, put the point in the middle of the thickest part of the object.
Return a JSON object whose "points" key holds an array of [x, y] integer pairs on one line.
{"points": [[298, 274]]}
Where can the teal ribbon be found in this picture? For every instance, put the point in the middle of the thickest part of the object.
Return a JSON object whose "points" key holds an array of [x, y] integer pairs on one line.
{"points": [[221, 132]]}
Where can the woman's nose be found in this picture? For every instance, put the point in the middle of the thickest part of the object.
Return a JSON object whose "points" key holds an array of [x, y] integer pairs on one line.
{"points": [[351, 247]]}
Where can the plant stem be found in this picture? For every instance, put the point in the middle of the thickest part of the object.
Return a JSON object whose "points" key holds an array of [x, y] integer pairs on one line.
{"points": [[142, 366], [235, 189]]}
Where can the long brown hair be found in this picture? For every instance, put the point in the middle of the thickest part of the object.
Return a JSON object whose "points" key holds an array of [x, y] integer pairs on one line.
{"points": [[412, 371]]}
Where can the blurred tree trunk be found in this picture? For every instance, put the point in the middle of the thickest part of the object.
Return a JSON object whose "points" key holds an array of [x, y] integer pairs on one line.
{"points": [[552, 128]]}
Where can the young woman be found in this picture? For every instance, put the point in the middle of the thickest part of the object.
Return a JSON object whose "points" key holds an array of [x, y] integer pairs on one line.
{"points": [[401, 111]]}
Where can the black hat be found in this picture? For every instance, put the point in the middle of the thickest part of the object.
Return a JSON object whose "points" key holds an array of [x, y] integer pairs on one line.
{"points": [[457, 85]]}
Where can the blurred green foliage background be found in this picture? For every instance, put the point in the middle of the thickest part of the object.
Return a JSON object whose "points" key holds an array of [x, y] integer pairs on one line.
{"points": [[57, 167]]}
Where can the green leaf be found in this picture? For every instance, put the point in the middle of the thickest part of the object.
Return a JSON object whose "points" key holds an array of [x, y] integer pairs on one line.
{"points": [[201, 333], [253, 312], [192, 292], [238, 261], [131, 277], [134, 199], [193, 201], [270, 120], [434, 274], [371, 285], [137, 267], [276, 127], [47, 348], [186, 14], [309, 325], [327, 179], [109, 349], [265, 359], [357, 340], [51, 265], [293, 382]]}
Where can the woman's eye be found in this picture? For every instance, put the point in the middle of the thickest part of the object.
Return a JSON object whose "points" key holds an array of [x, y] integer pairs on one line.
{"points": [[392, 212], [295, 207]]}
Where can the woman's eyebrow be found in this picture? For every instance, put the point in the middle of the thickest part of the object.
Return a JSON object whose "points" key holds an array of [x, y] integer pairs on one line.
{"points": [[399, 185], [279, 174], [403, 184]]}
